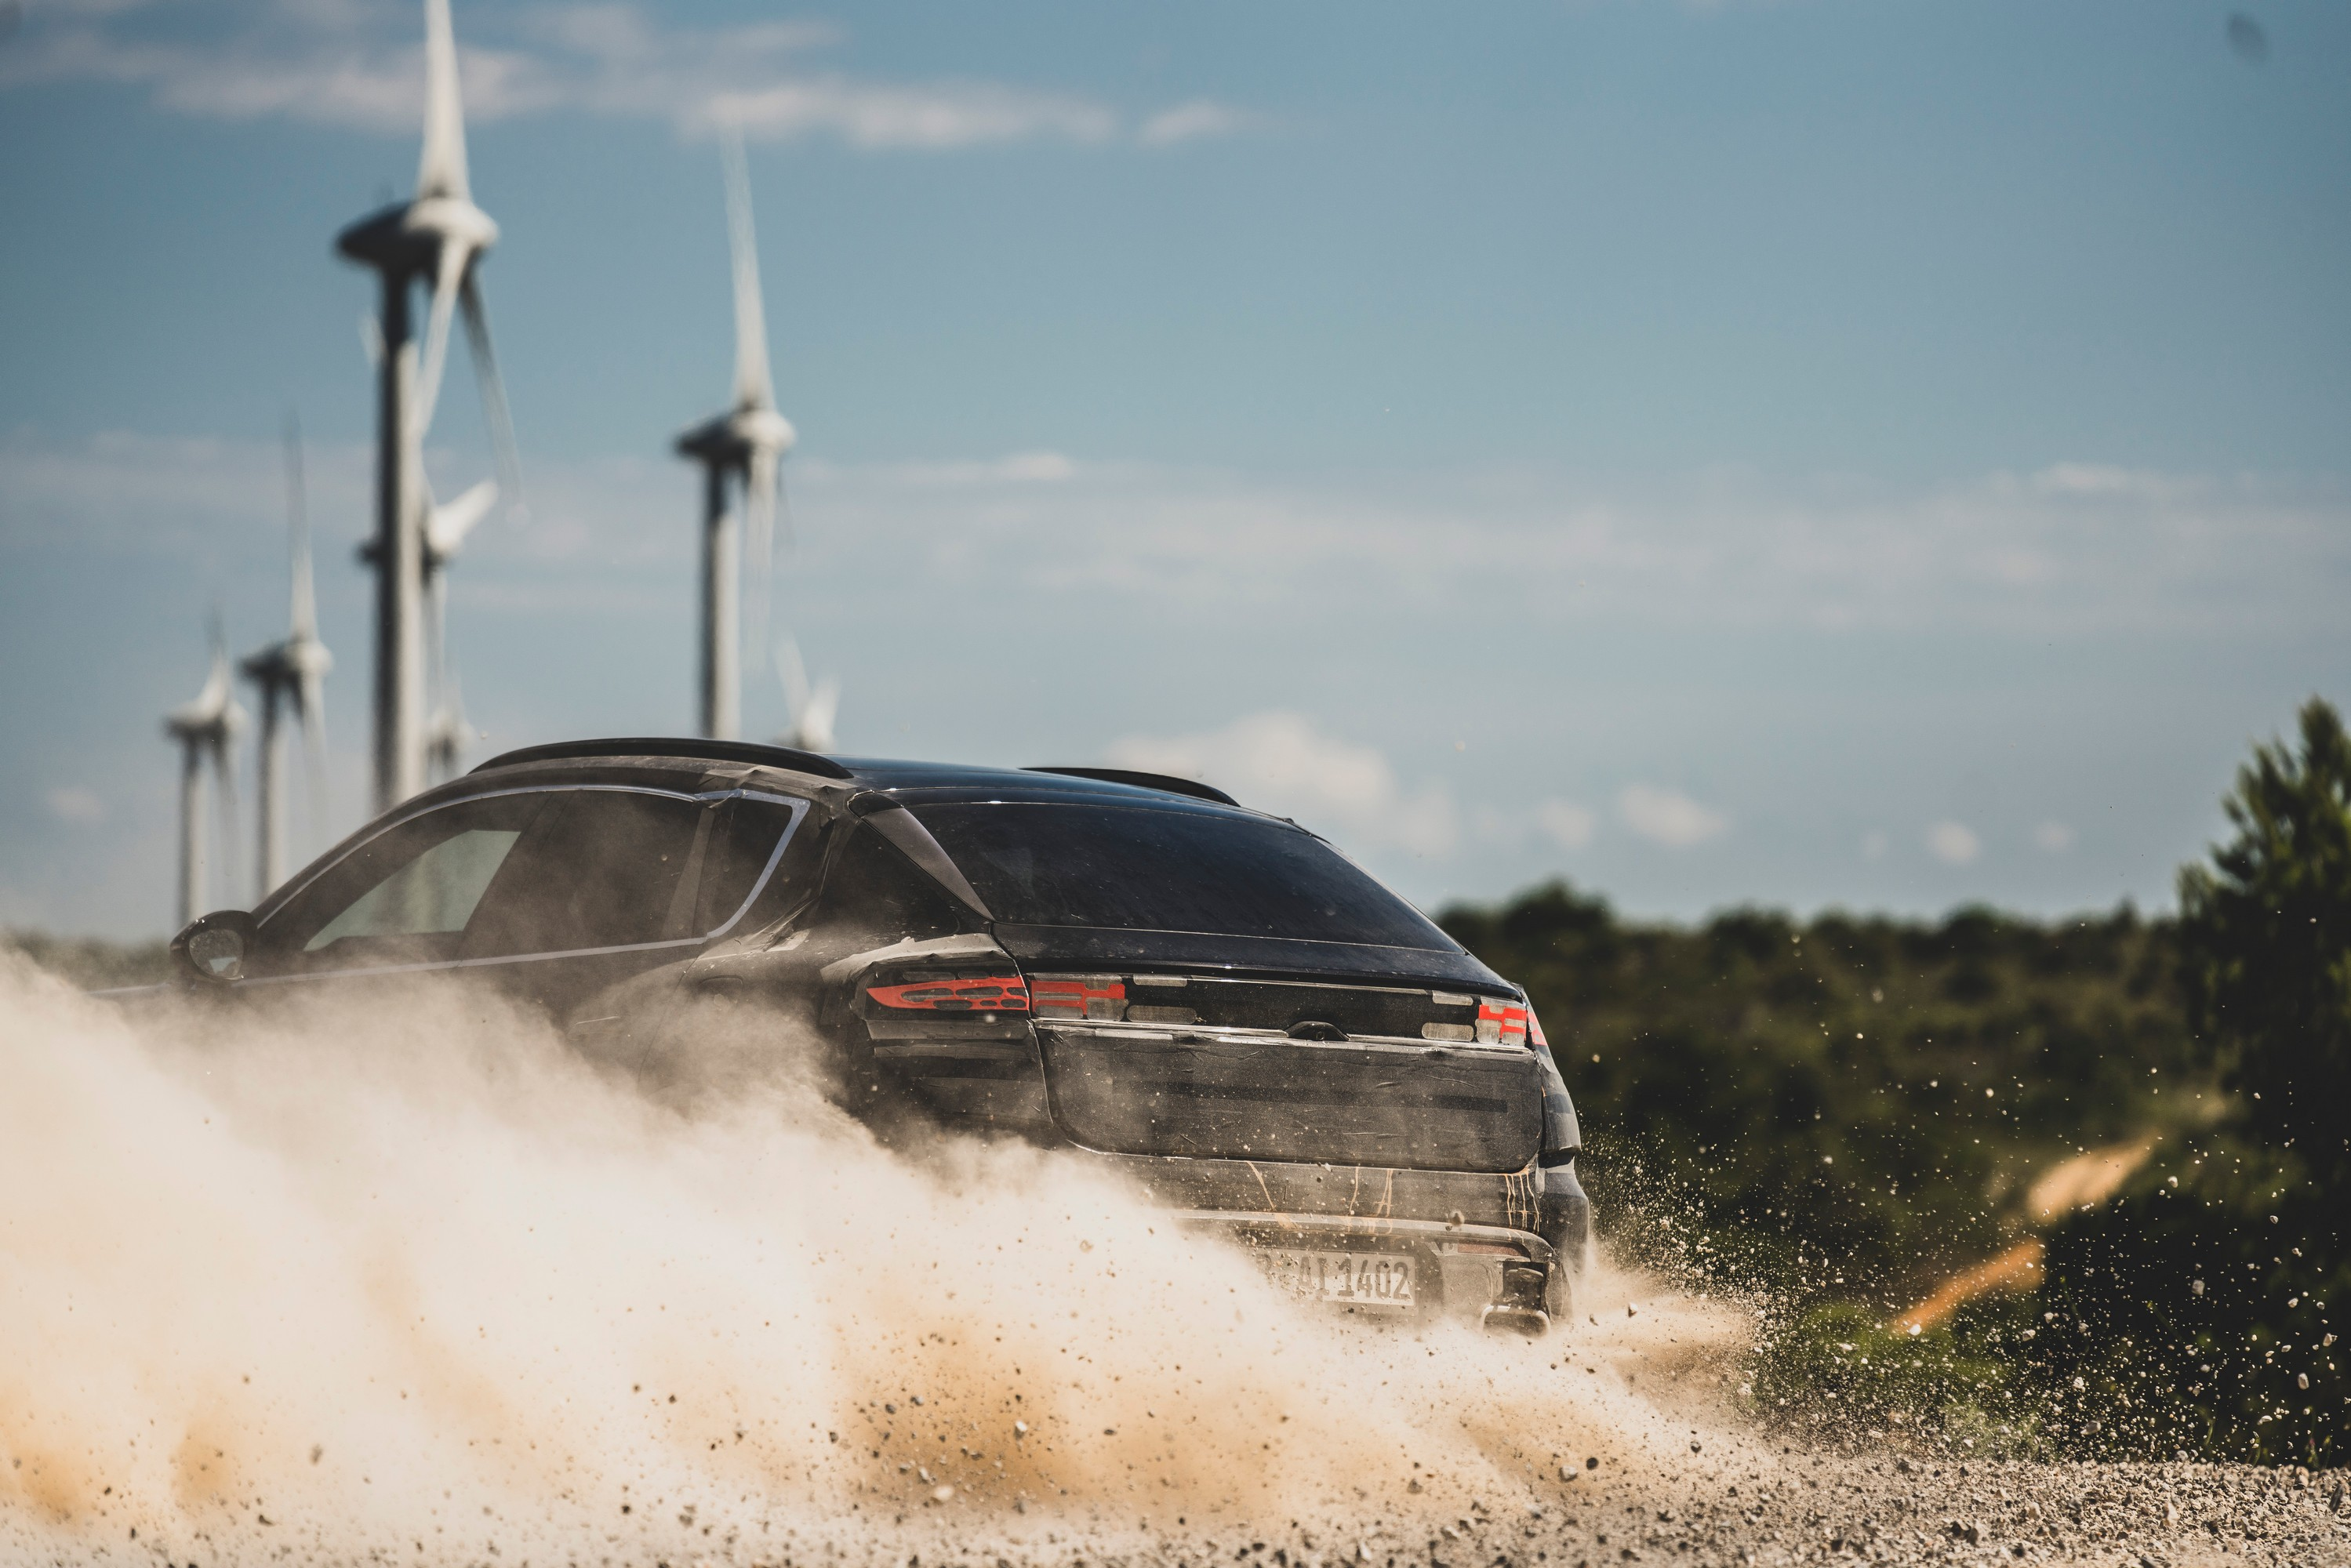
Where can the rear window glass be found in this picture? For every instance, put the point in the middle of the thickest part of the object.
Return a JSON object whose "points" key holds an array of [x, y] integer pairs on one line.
{"points": [[874, 887], [743, 847], [1132, 868]]}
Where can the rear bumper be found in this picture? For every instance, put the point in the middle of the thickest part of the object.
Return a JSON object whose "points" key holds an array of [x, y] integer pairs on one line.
{"points": [[1482, 1273]]}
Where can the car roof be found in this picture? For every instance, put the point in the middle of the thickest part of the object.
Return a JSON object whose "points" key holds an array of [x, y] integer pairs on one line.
{"points": [[926, 782]]}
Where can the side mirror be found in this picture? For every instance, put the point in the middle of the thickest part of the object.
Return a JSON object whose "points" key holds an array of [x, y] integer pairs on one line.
{"points": [[212, 950]]}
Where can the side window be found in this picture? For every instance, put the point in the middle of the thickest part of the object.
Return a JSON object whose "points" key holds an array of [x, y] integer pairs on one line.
{"points": [[597, 868], [872, 886], [744, 839], [408, 895], [434, 895]]}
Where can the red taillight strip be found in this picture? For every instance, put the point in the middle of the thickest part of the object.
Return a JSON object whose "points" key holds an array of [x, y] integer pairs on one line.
{"points": [[993, 994], [1511, 1017], [1534, 1031]]}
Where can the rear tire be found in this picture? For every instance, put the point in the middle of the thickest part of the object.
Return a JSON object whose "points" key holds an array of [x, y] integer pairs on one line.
{"points": [[1562, 1290]]}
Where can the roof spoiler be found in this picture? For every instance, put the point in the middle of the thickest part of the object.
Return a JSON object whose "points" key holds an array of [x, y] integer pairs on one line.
{"points": [[697, 750], [1168, 782]]}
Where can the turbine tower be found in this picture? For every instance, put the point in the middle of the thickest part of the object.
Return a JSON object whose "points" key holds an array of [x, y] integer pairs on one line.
{"points": [[743, 448], [291, 675], [437, 238], [205, 728]]}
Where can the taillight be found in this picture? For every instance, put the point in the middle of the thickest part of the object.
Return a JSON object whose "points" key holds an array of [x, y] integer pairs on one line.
{"points": [[1534, 1029], [955, 994], [1501, 1023], [1080, 997]]}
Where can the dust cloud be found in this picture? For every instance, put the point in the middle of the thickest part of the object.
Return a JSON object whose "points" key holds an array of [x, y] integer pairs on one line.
{"points": [[411, 1281]]}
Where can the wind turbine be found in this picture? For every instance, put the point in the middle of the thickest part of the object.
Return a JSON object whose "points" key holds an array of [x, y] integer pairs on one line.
{"points": [[445, 528], [292, 674], [205, 728], [743, 446], [438, 238]]}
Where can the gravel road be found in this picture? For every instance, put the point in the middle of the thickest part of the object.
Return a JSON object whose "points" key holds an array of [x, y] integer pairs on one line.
{"points": [[1795, 1506], [1812, 1507]]}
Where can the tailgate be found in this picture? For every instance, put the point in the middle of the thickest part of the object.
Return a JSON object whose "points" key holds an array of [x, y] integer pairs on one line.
{"points": [[1232, 1069]]}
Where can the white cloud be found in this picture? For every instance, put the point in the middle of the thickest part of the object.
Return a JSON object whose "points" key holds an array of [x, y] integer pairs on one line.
{"points": [[2054, 838], [2101, 480], [1568, 824], [78, 804], [1952, 844], [933, 117], [2271, 558], [1190, 121], [1667, 817], [362, 68], [1015, 468], [1280, 762]]}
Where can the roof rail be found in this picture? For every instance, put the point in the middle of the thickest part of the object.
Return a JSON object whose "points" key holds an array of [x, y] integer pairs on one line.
{"points": [[1168, 782], [698, 750]]}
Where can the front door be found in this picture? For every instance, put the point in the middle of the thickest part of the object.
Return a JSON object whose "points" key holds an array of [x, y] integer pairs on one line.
{"points": [[552, 893]]}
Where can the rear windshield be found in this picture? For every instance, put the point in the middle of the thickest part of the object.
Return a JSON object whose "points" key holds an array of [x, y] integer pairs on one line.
{"points": [[1132, 868]]}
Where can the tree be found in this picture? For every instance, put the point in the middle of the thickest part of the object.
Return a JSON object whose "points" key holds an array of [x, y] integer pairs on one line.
{"points": [[2266, 942], [2205, 1297]]}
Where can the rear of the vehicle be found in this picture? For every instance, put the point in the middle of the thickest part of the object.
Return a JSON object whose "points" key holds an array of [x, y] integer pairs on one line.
{"points": [[1271, 1042]]}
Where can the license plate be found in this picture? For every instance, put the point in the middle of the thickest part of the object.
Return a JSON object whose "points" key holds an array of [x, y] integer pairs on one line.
{"points": [[1348, 1278]]}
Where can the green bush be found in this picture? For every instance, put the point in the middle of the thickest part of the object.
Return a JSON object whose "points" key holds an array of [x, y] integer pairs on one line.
{"points": [[2210, 1283]]}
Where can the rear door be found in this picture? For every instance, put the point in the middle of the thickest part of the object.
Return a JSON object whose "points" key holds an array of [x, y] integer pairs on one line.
{"points": [[601, 888]]}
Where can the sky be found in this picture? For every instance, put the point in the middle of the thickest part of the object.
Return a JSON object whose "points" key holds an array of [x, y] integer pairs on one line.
{"points": [[1884, 454]]}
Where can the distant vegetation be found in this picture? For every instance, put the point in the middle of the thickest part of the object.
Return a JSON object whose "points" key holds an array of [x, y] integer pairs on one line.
{"points": [[1854, 1103], [92, 964], [1840, 1114]]}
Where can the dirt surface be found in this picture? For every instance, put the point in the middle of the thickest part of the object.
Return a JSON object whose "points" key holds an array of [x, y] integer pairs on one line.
{"points": [[1813, 1506], [1795, 1506]]}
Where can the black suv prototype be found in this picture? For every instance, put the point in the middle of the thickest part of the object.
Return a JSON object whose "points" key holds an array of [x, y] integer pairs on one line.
{"points": [[1131, 967]]}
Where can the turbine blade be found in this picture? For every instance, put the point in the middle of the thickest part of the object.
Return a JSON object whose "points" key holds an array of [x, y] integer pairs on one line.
{"points": [[753, 387], [793, 673], [455, 260], [815, 729], [761, 487], [212, 704], [436, 630], [444, 734], [304, 616], [503, 450], [445, 526], [441, 172], [224, 770], [310, 699]]}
